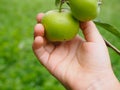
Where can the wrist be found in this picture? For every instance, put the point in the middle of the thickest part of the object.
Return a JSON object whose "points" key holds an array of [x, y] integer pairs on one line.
{"points": [[109, 82], [99, 81]]}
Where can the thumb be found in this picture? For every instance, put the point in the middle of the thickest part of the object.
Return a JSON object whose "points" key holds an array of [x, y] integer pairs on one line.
{"points": [[90, 32]]}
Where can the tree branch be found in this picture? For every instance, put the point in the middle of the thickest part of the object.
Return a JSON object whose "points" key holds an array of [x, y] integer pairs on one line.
{"points": [[112, 46]]}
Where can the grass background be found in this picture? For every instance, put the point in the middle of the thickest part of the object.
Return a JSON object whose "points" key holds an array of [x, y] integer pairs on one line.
{"points": [[19, 68]]}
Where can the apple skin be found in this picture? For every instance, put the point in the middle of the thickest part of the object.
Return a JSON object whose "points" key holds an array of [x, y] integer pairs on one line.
{"points": [[84, 10], [60, 26]]}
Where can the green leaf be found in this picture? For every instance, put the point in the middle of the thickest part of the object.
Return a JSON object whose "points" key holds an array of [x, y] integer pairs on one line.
{"points": [[109, 28]]}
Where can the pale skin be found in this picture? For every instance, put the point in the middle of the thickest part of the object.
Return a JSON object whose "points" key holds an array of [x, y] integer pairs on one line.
{"points": [[79, 64]]}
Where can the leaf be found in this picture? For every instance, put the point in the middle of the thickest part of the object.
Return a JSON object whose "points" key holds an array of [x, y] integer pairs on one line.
{"points": [[109, 28], [57, 2]]}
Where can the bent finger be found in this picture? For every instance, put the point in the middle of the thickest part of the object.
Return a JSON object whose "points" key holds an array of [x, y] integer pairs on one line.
{"points": [[39, 17], [38, 43], [38, 30]]}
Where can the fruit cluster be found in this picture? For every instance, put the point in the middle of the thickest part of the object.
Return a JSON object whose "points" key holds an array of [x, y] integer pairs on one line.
{"points": [[63, 24]]}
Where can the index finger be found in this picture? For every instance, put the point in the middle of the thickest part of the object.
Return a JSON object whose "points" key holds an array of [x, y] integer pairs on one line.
{"points": [[39, 17]]}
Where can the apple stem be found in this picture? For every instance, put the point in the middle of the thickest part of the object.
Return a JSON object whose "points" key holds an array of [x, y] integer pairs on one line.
{"points": [[60, 7], [61, 3]]}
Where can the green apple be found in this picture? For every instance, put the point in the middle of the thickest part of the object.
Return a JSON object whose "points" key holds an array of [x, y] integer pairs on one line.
{"points": [[84, 10], [60, 25]]}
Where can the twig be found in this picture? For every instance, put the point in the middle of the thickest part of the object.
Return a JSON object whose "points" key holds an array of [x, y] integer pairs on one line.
{"points": [[112, 46]]}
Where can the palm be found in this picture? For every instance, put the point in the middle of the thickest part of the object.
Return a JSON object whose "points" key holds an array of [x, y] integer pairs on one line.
{"points": [[57, 57], [62, 57], [61, 60]]}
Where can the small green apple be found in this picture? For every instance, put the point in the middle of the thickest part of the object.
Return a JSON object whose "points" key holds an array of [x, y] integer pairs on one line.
{"points": [[84, 10], [60, 25]]}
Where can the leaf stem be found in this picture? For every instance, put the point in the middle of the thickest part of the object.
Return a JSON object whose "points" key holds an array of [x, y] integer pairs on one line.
{"points": [[112, 46]]}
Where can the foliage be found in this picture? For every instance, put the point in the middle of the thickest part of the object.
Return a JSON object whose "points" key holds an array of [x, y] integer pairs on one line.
{"points": [[19, 68]]}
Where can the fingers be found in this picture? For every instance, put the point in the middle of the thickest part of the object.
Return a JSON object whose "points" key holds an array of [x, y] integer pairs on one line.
{"points": [[90, 32], [39, 17], [38, 33], [38, 30], [38, 42], [39, 50], [38, 36]]}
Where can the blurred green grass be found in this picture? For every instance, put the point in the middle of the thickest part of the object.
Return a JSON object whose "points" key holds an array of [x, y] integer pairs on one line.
{"points": [[19, 68]]}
